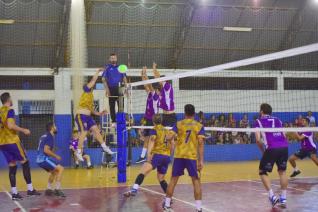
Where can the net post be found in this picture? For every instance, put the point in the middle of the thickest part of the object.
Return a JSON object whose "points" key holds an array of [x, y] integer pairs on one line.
{"points": [[121, 149]]}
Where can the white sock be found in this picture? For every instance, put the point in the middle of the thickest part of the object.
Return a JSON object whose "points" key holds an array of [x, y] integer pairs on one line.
{"points": [[135, 186], [58, 185], [198, 204], [143, 153], [284, 194], [270, 193], [103, 145], [49, 186], [30, 187], [296, 169], [167, 201], [89, 164], [14, 190]]}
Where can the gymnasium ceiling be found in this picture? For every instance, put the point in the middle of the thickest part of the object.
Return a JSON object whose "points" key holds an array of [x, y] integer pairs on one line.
{"points": [[176, 34]]}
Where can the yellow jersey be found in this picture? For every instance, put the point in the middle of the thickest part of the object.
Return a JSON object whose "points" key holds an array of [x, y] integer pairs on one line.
{"points": [[162, 145], [7, 136], [87, 99], [188, 133]]}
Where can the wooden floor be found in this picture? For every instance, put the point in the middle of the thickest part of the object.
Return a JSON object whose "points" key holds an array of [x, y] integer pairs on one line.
{"points": [[107, 177], [221, 182]]}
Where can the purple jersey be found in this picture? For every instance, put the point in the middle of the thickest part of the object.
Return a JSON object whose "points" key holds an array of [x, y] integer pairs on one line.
{"points": [[74, 143], [272, 140], [308, 142], [152, 105], [166, 100]]}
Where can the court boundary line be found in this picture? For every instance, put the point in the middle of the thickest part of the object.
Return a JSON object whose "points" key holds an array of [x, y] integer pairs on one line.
{"points": [[177, 199], [15, 202], [288, 187]]}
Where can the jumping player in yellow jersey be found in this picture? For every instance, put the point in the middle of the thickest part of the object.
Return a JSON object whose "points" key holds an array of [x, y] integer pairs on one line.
{"points": [[84, 119], [190, 141], [158, 157], [11, 147]]}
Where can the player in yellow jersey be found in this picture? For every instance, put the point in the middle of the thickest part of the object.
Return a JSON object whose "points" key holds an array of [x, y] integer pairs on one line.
{"points": [[11, 147], [84, 119], [190, 142], [158, 156]]}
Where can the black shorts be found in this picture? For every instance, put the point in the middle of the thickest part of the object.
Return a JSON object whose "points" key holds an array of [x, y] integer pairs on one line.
{"points": [[147, 131], [169, 120], [271, 156], [303, 153]]}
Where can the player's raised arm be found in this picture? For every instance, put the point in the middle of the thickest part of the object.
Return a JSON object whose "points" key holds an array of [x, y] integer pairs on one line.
{"points": [[156, 73], [145, 77], [92, 82]]}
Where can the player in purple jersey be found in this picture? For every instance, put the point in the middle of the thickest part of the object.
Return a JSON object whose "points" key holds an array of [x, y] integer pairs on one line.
{"points": [[73, 148], [152, 108], [166, 101], [308, 148], [275, 150]]}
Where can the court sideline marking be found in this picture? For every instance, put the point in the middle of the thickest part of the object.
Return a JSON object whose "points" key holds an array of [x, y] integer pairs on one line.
{"points": [[180, 200], [15, 202]]}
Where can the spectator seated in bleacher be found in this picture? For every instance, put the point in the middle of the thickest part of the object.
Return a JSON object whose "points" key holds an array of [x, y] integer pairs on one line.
{"points": [[73, 148]]}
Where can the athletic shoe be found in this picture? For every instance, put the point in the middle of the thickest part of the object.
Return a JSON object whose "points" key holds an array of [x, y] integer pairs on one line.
{"points": [[131, 193], [274, 200], [90, 167], [59, 193], [79, 156], [141, 160], [282, 202], [33, 193], [167, 209], [198, 210], [108, 150], [49, 192], [295, 173], [16, 197]]}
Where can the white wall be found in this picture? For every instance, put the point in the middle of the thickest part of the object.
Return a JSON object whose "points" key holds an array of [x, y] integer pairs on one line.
{"points": [[207, 101]]}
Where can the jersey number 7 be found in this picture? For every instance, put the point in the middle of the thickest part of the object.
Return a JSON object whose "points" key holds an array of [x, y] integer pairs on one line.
{"points": [[188, 133]]}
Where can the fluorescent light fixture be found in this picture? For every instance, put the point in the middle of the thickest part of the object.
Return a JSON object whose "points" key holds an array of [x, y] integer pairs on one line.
{"points": [[6, 21], [237, 29]]}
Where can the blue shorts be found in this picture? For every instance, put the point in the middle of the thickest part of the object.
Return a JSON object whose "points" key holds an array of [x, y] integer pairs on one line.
{"points": [[84, 122], [13, 152], [179, 164], [303, 153], [160, 162], [46, 163]]}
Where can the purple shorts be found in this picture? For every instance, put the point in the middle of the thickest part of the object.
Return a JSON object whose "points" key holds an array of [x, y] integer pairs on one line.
{"points": [[179, 164], [84, 122], [160, 162], [13, 152]]}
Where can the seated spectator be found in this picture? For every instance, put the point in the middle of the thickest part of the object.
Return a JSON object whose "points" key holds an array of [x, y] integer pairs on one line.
{"points": [[213, 121], [202, 119], [252, 136], [311, 119], [244, 123], [73, 148], [220, 135], [231, 121]]}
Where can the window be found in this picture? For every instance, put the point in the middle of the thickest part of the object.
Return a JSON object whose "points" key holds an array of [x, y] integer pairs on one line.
{"points": [[228, 83], [27, 82], [300, 83]]}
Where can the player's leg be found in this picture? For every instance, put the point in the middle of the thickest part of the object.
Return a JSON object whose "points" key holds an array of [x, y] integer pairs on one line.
{"points": [[88, 161], [49, 191], [97, 135], [21, 157], [146, 168], [197, 193], [314, 158], [292, 160], [162, 171], [282, 166], [81, 121], [142, 157], [58, 178], [266, 165]]}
